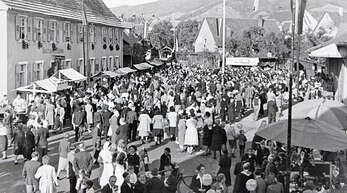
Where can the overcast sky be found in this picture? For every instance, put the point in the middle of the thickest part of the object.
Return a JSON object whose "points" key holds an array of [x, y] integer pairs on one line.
{"points": [[116, 3]]}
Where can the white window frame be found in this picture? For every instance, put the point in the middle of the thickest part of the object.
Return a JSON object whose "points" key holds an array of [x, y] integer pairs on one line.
{"points": [[110, 63], [39, 28], [40, 70], [116, 62], [25, 73], [23, 25], [92, 37], [54, 29], [65, 63], [103, 64], [92, 65]]}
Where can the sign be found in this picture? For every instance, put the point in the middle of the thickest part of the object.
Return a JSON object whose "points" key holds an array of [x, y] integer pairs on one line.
{"points": [[207, 180], [242, 61], [251, 185], [62, 85]]}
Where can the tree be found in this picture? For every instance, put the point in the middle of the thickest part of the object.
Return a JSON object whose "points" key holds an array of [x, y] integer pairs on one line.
{"points": [[187, 32], [162, 35]]}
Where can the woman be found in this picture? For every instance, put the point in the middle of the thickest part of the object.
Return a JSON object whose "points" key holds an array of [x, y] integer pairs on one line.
{"points": [[141, 183], [49, 114], [3, 140], [191, 137], [105, 157], [207, 136], [114, 125], [144, 126], [158, 126], [119, 168], [224, 167], [48, 177], [19, 140], [219, 139]]}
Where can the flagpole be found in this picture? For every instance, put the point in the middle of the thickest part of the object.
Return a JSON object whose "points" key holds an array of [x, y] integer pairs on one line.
{"points": [[223, 45], [85, 24], [289, 134]]}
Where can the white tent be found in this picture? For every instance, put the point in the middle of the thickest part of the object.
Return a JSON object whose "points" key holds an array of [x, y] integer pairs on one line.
{"points": [[329, 51], [71, 74], [47, 86]]}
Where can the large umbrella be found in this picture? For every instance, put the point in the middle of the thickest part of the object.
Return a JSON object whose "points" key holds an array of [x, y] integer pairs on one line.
{"points": [[332, 112], [307, 133]]}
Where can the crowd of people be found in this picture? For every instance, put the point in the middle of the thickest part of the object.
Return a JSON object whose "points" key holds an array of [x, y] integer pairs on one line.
{"points": [[185, 104]]}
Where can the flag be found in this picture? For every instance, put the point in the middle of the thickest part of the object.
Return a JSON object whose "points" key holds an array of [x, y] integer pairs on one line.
{"points": [[84, 15], [341, 11], [300, 7]]}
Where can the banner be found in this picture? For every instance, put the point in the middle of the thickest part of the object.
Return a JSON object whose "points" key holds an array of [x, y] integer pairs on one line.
{"points": [[242, 61], [300, 7]]}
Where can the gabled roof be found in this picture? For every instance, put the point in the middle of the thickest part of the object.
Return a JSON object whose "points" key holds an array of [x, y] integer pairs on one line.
{"points": [[237, 26], [97, 11]]}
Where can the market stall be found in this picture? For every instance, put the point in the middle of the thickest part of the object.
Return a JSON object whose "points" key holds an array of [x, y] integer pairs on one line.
{"points": [[143, 66], [46, 86], [125, 71], [70, 74]]}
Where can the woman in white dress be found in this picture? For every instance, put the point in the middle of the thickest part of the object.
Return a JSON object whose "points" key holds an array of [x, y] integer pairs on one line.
{"points": [[144, 125], [105, 157], [191, 137], [119, 169], [49, 114], [47, 176]]}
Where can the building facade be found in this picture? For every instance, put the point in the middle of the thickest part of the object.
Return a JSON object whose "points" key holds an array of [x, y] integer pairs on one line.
{"points": [[38, 37]]}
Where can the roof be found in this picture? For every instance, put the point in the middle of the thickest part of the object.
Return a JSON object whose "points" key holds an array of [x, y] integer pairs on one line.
{"points": [[72, 74], [237, 26], [97, 11]]}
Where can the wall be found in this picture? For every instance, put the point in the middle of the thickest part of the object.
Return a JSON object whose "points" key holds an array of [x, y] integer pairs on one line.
{"points": [[3, 51], [17, 54], [205, 33], [338, 67]]}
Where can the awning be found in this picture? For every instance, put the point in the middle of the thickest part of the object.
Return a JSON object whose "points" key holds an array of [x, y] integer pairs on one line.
{"points": [[242, 61], [329, 51], [157, 64], [71, 74], [125, 70], [111, 74], [49, 85], [143, 66]]}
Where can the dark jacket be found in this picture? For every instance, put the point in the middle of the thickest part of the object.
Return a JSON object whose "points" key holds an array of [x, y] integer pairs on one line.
{"points": [[219, 138], [240, 183], [165, 160], [155, 185], [125, 188], [275, 188], [171, 185], [139, 187], [83, 161], [261, 185], [106, 189], [225, 165], [134, 160], [106, 115], [41, 137], [196, 184]]}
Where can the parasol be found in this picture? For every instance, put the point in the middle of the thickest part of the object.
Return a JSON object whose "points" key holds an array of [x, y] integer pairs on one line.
{"points": [[332, 112], [307, 133]]}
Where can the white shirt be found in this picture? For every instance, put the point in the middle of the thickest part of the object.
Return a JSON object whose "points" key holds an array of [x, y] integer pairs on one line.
{"points": [[172, 116]]}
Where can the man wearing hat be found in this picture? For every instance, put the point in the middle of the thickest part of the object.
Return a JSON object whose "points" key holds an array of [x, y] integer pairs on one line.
{"points": [[165, 159], [64, 148], [127, 187], [155, 184], [29, 170], [131, 120]]}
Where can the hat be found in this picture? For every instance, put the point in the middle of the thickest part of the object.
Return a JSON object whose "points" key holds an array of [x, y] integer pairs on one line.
{"points": [[168, 149]]}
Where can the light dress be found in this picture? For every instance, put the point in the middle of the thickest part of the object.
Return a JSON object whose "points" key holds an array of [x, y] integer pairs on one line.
{"points": [[144, 125], [191, 136], [106, 156], [48, 179], [118, 172]]}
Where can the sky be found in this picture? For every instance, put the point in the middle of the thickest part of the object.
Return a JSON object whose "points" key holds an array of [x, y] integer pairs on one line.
{"points": [[116, 3]]}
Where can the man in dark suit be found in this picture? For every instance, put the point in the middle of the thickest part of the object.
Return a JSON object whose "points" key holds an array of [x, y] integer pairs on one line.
{"points": [[29, 143], [170, 181], [78, 118], [196, 183], [106, 115], [127, 187], [41, 140], [155, 184], [83, 161], [111, 187], [261, 184], [131, 119]]}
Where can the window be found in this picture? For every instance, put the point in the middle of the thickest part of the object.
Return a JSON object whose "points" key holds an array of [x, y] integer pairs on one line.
{"points": [[110, 35], [92, 33], [93, 67], [21, 74], [104, 35], [52, 31], [38, 29], [67, 64], [38, 70], [80, 66], [104, 64], [116, 62], [110, 64], [21, 27], [67, 32]]}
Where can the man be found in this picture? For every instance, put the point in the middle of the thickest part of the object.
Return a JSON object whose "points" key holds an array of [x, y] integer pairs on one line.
{"points": [[64, 148], [41, 140], [29, 143], [106, 115], [242, 178], [78, 117], [127, 187], [131, 120], [196, 184], [261, 184], [83, 161], [165, 159], [111, 187], [170, 181], [29, 170], [271, 106], [71, 172], [155, 184]]}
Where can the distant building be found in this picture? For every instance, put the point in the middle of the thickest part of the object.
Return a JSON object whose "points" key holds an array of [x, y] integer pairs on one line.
{"points": [[40, 36], [211, 31]]}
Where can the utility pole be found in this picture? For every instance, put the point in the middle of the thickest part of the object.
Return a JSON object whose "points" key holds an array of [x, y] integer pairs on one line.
{"points": [[85, 24]]}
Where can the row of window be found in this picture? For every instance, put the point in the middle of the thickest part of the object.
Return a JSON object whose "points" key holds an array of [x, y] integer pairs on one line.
{"points": [[29, 72], [39, 29]]}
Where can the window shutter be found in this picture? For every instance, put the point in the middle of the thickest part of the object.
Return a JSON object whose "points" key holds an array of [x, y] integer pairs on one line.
{"points": [[44, 31], [17, 75], [33, 72], [58, 27], [49, 31], [64, 32], [79, 32], [30, 73], [94, 31], [17, 28], [29, 28], [35, 30]]}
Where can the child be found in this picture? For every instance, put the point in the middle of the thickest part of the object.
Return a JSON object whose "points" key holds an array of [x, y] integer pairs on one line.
{"points": [[81, 180], [98, 148], [144, 160]]}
